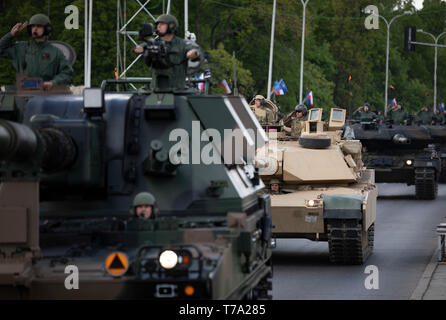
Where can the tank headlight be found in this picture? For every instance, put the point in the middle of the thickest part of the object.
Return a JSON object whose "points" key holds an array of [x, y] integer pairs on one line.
{"points": [[409, 162], [168, 259], [311, 203]]}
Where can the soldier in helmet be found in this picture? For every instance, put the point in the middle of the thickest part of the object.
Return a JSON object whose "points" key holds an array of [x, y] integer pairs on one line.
{"points": [[144, 206], [274, 186], [37, 57], [293, 122], [263, 114], [364, 114], [174, 76], [398, 114]]}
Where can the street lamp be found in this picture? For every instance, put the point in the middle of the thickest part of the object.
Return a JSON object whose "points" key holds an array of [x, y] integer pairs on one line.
{"points": [[304, 3], [435, 62], [387, 52]]}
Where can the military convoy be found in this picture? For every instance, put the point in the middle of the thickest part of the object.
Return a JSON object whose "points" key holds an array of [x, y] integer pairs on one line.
{"points": [[406, 154], [326, 194]]}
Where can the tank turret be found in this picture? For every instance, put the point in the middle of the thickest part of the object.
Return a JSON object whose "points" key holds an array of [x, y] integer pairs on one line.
{"points": [[324, 191]]}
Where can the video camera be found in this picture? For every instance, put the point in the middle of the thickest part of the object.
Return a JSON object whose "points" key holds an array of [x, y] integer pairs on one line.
{"points": [[156, 51]]}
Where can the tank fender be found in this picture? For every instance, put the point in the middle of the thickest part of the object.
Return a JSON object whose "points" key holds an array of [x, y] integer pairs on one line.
{"points": [[341, 206]]}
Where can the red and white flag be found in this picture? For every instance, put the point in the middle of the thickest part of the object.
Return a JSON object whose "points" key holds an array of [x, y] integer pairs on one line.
{"points": [[224, 85]]}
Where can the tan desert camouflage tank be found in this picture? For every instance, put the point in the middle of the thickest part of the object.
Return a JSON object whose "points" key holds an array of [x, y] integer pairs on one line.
{"points": [[325, 193]]}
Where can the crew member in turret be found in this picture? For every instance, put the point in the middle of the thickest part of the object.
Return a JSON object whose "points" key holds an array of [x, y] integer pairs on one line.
{"points": [[398, 114], [174, 75], [144, 206], [293, 122], [364, 114], [37, 57]]}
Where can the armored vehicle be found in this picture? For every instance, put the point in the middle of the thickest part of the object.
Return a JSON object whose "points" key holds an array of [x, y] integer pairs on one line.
{"points": [[70, 169], [404, 154], [325, 193]]}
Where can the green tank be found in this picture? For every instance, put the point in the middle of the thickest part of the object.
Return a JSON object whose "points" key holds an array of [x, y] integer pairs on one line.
{"points": [[70, 168]]}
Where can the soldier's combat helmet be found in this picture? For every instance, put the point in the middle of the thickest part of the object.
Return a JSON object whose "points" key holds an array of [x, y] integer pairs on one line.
{"points": [[171, 21], [40, 20], [261, 98], [144, 198], [301, 108]]}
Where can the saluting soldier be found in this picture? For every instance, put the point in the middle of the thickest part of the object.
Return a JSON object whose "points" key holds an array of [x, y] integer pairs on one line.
{"points": [[37, 57], [398, 114], [293, 122], [425, 117]]}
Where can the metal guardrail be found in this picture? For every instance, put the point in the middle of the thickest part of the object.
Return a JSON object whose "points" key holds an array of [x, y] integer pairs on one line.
{"points": [[441, 232]]}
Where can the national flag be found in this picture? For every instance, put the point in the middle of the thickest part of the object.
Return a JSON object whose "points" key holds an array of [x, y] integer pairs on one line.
{"points": [[393, 102], [442, 108], [392, 87], [280, 88], [224, 85], [201, 84], [309, 98], [349, 77]]}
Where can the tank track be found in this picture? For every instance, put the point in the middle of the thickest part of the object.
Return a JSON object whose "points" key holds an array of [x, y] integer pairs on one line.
{"points": [[348, 243], [426, 186]]}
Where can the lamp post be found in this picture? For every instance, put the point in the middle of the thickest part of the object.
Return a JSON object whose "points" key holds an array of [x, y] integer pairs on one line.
{"points": [[304, 3], [435, 62], [387, 52], [271, 53]]}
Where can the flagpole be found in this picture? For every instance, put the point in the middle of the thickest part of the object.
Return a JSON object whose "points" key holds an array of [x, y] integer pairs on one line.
{"points": [[271, 51], [304, 3]]}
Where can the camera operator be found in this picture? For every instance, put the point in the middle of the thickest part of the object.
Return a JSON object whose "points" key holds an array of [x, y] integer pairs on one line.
{"points": [[169, 57]]}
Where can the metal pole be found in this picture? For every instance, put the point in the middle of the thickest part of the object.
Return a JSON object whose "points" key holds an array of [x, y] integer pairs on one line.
{"points": [[86, 43], [271, 53], [435, 78], [302, 52], [435, 71], [435, 63], [387, 54], [168, 7], [235, 75], [186, 17], [90, 22], [387, 70]]}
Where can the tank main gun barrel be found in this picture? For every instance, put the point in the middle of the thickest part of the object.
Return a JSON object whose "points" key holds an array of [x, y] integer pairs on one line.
{"points": [[17, 142], [55, 149]]}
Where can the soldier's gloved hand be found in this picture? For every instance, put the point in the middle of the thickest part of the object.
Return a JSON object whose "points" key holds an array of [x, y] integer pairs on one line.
{"points": [[47, 85], [138, 49], [18, 28]]}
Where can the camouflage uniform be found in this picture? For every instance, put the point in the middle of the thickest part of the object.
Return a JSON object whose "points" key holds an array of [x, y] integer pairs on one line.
{"points": [[37, 59], [398, 116], [425, 117], [178, 60], [364, 116]]}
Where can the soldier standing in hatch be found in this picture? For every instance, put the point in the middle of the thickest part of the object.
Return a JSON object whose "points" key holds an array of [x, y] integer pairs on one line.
{"points": [[293, 122], [37, 57], [263, 114], [425, 117], [166, 29], [144, 206], [398, 114], [364, 114]]}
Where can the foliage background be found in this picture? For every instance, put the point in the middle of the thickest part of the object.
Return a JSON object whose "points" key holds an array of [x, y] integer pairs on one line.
{"points": [[337, 45]]}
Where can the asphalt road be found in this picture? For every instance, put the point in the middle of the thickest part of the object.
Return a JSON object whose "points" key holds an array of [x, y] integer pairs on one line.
{"points": [[404, 244]]}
